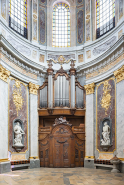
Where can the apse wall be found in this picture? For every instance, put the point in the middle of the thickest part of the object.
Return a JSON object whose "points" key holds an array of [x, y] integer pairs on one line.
{"points": [[97, 62]]}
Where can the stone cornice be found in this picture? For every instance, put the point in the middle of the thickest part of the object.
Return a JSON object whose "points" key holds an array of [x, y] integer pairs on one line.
{"points": [[4, 73], [33, 88], [20, 59], [119, 74], [89, 88], [106, 58]]}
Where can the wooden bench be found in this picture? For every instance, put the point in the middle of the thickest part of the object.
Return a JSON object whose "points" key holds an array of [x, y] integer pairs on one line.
{"points": [[102, 164]]}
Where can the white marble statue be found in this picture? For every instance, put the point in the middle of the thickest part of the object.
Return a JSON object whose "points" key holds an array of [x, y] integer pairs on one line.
{"points": [[106, 134], [18, 135]]}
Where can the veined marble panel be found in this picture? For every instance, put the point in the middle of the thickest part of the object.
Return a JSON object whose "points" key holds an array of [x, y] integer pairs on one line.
{"points": [[18, 109], [80, 26], [105, 110], [42, 26], [89, 125], [3, 120], [120, 119]]}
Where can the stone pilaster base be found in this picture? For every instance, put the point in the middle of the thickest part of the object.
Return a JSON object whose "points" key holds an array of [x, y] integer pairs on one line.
{"points": [[5, 167], [88, 163], [121, 167], [34, 163]]}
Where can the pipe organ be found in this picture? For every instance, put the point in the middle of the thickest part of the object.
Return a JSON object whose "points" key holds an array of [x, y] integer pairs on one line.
{"points": [[61, 90]]}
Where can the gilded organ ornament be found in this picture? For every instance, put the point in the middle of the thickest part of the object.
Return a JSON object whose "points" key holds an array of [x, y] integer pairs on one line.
{"points": [[17, 96], [106, 99]]}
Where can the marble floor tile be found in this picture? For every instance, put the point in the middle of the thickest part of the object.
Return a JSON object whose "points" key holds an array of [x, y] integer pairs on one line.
{"points": [[61, 176]]}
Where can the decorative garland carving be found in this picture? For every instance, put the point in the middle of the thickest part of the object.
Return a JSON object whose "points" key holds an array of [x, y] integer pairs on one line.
{"points": [[89, 88], [33, 88], [61, 72], [106, 99], [119, 74], [4, 73], [17, 95]]}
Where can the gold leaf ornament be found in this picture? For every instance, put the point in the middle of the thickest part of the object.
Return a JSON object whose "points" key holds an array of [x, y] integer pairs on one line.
{"points": [[17, 96], [106, 99]]}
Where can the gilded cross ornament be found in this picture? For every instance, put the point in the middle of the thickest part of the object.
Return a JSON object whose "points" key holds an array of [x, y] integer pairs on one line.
{"points": [[119, 74], [4, 73], [89, 88], [33, 88], [17, 95], [106, 99]]}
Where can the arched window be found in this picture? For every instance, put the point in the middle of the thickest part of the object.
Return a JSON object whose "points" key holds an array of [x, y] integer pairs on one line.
{"points": [[18, 16], [105, 16], [61, 25]]}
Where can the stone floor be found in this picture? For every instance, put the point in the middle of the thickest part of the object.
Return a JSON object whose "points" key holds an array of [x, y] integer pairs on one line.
{"points": [[59, 176]]}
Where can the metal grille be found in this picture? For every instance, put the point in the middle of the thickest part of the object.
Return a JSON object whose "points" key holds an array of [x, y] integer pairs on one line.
{"points": [[105, 16], [18, 16], [61, 25]]}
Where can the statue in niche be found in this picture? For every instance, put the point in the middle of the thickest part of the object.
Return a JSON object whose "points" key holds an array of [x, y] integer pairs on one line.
{"points": [[105, 134], [18, 135]]}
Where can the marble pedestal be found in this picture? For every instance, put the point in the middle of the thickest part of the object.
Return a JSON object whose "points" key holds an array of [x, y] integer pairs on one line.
{"points": [[5, 167], [88, 163], [34, 163]]}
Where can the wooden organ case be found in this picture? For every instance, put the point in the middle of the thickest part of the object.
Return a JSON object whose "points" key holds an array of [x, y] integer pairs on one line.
{"points": [[62, 145]]}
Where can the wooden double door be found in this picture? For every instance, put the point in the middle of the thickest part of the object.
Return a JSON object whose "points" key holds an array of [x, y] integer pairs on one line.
{"points": [[61, 148]]}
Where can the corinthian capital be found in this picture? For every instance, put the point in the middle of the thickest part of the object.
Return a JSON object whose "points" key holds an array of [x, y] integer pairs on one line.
{"points": [[4, 73], [89, 88], [33, 88], [119, 74]]}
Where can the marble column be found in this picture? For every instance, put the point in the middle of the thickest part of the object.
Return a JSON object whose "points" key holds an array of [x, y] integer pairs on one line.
{"points": [[89, 126], [4, 161], [33, 103], [72, 74], [50, 85], [119, 75]]}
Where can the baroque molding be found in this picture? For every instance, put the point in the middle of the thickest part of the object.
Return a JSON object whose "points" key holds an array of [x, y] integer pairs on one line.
{"points": [[89, 88], [105, 59], [33, 88], [23, 65], [119, 74], [4, 73]]}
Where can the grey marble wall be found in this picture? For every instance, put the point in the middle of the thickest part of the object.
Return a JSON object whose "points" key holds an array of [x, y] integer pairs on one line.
{"points": [[33, 126], [120, 119], [89, 127]]}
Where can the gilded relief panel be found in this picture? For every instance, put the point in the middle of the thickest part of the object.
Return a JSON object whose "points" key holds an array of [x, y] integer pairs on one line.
{"points": [[105, 112], [42, 26], [18, 110]]}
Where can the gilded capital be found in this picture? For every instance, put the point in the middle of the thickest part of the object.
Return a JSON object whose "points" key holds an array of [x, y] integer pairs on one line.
{"points": [[33, 88], [4, 73], [89, 88], [119, 74]]}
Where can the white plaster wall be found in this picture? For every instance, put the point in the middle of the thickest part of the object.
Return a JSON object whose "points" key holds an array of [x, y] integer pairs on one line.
{"points": [[33, 126], [89, 127], [3, 120], [120, 119]]}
